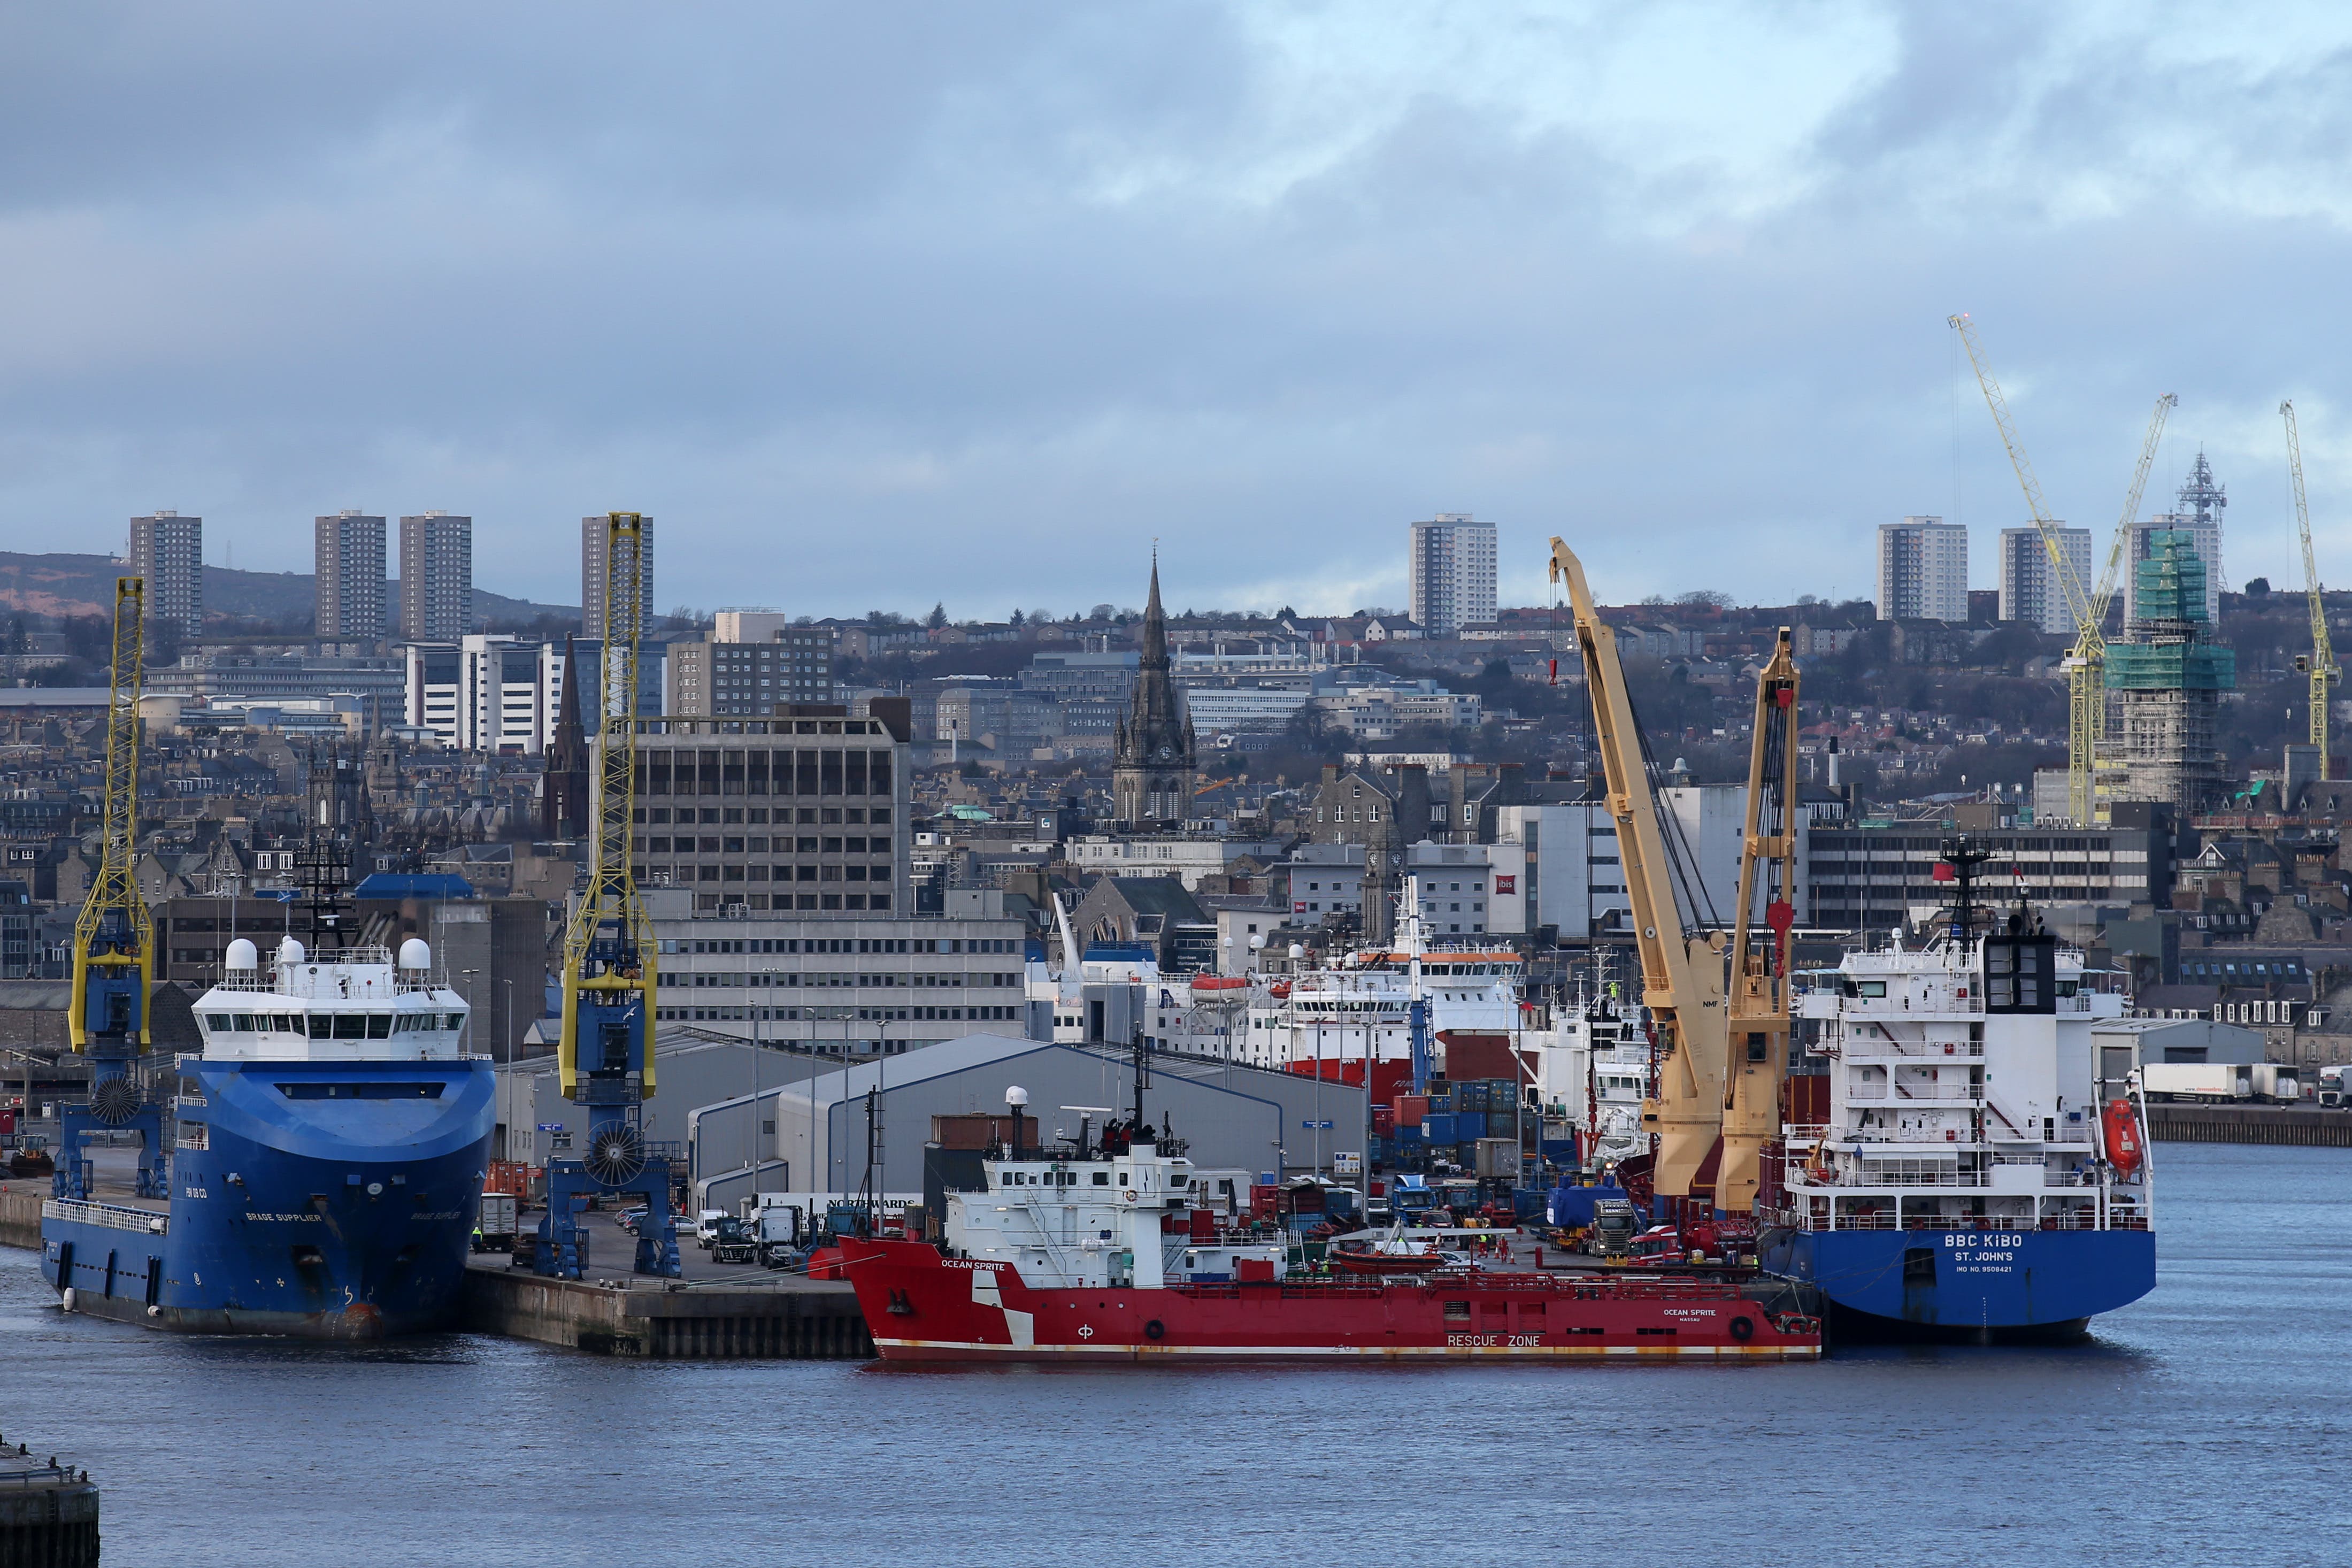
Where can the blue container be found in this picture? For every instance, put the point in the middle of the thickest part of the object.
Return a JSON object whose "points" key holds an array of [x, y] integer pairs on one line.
{"points": [[1439, 1128], [1469, 1126]]}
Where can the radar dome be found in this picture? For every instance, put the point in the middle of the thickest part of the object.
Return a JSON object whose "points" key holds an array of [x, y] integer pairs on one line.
{"points": [[289, 951], [1016, 1096], [243, 955], [414, 954]]}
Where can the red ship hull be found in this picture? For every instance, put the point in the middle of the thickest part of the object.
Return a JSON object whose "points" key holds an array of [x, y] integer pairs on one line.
{"points": [[922, 1307]]}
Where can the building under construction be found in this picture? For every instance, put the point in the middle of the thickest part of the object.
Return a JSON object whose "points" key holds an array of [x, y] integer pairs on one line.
{"points": [[2167, 680]]}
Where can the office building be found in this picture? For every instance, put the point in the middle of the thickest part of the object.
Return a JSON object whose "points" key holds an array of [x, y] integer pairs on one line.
{"points": [[1875, 879], [789, 664], [1558, 865], [350, 565], [490, 692], [436, 577], [753, 816], [2031, 589], [594, 538], [1923, 570], [168, 551], [1452, 571]]}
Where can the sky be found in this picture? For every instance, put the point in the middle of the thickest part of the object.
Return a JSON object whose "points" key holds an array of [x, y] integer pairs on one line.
{"points": [[873, 306]]}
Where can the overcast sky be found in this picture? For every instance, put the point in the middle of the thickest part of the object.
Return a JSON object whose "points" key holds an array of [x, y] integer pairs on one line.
{"points": [[870, 306]]}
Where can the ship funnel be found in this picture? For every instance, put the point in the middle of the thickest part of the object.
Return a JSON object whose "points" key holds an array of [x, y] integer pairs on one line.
{"points": [[242, 955], [289, 951], [414, 954]]}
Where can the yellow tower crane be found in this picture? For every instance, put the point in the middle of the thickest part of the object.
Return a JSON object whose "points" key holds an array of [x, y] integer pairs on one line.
{"points": [[114, 938], [2086, 662], [1758, 1022], [1682, 971], [604, 1056], [2319, 664]]}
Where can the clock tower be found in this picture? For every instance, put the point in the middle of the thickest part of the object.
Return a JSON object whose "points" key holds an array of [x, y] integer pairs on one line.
{"points": [[1151, 774]]}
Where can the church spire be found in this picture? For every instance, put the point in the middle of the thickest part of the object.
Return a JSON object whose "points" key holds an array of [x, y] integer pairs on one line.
{"points": [[1155, 622]]}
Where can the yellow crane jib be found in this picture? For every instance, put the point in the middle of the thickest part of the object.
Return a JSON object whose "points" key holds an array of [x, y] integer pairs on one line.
{"points": [[1682, 972], [2319, 664], [2086, 663], [1758, 1026], [114, 938], [114, 944]]}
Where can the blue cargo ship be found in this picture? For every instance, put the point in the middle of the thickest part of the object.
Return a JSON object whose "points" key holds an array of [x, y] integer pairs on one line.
{"points": [[1968, 1168], [327, 1164]]}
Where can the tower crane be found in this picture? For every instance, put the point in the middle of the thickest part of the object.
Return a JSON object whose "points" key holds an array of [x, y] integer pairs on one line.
{"points": [[1758, 1026], [2086, 663], [1682, 971], [604, 1056], [2320, 663], [114, 941]]}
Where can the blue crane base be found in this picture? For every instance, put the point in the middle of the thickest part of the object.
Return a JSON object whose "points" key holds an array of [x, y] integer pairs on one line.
{"points": [[76, 1179], [563, 1251]]}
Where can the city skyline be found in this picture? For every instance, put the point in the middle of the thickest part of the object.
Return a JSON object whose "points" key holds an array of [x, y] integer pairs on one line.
{"points": [[1270, 281]]}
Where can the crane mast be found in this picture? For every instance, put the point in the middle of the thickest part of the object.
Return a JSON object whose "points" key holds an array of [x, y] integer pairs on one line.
{"points": [[1682, 974], [1759, 1003], [605, 1054], [114, 938], [2320, 663], [2086, 662]]}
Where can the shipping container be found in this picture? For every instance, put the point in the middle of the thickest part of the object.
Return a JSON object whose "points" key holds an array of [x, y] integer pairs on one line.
{"points": [[1439, 1126], [1411, 1109], [1469, 1126]]}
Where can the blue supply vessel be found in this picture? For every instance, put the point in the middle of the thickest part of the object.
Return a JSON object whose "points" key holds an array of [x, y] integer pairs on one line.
{"points": [[1970, 1167], [326, 1162]]}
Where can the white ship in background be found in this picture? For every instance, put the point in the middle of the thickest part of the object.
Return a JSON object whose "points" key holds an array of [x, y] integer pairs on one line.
{"points": [[1332, 1018]]}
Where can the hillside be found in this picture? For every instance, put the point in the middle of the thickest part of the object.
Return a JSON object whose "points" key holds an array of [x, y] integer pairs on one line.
{"points": [[66, 585]]}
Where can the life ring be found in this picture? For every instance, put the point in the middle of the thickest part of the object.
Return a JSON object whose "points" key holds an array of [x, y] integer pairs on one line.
{"points": [[1743, 1328], [1153, 1330], [1129, 1196]]}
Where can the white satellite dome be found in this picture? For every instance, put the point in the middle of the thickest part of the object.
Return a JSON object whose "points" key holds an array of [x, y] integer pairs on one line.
{"points": [[415, 953], [1016, 1096], [290, 951], [242, 954]]}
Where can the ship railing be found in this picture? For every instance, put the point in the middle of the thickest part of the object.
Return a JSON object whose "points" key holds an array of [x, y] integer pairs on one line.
{"points": [[1870, 1048], [114, 1216], [1937, 1091]]}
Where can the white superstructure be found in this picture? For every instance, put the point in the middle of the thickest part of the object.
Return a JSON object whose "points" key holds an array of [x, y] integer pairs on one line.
{"points": [[357, 1005], [1962, 1091]]}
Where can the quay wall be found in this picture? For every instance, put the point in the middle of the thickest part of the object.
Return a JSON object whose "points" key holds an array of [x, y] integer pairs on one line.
{"points": [[801, 1321], [20, 1211], [2250, 1124]]}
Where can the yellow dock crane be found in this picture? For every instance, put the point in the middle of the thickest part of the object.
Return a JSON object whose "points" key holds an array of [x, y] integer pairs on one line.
{"points": [[1758, 1011], [2086, 663], [1682, 971], [114, 941], [604, 1056], [2319, 664]]}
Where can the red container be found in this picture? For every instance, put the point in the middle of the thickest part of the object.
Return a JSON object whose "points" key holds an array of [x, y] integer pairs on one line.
{"points": [[1384, 1119], [1204, 1224], [1410, 1109]]}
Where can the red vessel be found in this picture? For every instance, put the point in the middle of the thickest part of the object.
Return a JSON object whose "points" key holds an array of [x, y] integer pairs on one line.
{"points": [[1107, 1253], [922, 1306]]}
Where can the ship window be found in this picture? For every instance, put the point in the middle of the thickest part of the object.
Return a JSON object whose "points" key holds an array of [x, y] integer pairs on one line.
{"points": [[350, 1026], [244, 1023], [378, 1026], [323, 1025], [1457, 1312], [1102, 1178], [430, 1090]]}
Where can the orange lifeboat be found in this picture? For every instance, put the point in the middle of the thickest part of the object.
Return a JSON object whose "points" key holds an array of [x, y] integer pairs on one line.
{"points": [[1220, 983], [2122, 1136]]}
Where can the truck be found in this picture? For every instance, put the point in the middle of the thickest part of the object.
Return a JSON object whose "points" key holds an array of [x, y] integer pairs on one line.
{"points": [[731, 1241], [2332, 1091], [2221, 1083], [499, 1222]]}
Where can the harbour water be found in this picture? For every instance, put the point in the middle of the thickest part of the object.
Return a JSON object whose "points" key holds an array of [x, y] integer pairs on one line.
{"points": [[2207, 1424]]}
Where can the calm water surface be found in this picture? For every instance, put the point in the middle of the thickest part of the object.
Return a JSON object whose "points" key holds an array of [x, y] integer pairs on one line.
{"points": [[2207, 1424]]}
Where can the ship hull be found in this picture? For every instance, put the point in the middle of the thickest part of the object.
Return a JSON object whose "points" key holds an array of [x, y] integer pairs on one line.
{"points": [[921, 1307], [323, 1201], [1968, 1286]]}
